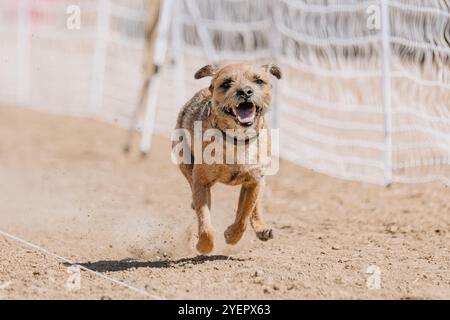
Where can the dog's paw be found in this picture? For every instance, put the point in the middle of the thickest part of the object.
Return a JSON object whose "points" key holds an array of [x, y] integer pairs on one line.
{"points": [[233, 235], [205, 242], [265, 234]]}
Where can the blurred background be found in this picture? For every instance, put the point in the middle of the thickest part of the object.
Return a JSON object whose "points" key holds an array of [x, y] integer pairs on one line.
{"points": [[364, 102], [361, 99]]}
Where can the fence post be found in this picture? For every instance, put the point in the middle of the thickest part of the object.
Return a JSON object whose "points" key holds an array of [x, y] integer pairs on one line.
{"points": [[202, 32], [387, 91], [274, 51], [23, 53], [99, 67], [159, 57], [178, 52]]}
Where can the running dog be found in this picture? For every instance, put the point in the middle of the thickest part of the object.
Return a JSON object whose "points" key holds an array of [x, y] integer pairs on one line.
{"points": [[237, 100]]}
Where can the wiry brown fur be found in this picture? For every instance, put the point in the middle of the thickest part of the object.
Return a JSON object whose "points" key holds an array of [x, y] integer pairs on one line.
{"points": [[209, 106]]}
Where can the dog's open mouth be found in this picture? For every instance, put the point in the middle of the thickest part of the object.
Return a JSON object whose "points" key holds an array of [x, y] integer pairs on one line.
{"points": [[245, 113]]}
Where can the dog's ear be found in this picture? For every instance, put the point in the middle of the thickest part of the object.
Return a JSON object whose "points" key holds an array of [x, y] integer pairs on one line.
{"points": [[207, 71], [273, 69]]}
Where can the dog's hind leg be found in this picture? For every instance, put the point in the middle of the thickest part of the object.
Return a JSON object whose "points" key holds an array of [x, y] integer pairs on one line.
{"points": [[262, 231], [248, 199], [202, 204]]}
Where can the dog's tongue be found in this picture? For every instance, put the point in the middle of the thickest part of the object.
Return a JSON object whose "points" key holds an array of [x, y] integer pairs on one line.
{"points": [[245, 114]]}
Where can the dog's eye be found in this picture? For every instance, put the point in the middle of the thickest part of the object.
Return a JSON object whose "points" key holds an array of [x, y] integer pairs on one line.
{"points": [[259, 81], [226, 84]]}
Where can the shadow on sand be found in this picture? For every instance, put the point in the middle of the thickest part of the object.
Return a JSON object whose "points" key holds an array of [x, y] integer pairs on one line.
{"points": [[126, 264]]}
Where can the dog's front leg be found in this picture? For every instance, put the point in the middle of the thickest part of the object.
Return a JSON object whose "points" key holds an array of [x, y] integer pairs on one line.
{"points": [[247, 202], [202, 206], [262, 231]]}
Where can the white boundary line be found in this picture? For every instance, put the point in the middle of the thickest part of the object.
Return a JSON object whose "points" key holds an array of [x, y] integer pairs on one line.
{"points": [[120, 283]]}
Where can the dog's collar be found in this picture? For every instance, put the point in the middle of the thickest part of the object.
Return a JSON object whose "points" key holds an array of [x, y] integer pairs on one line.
{"points": [[236, 140]]}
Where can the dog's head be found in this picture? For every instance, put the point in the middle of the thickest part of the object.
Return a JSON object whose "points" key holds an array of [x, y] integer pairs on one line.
{"points": [[241, 93]]}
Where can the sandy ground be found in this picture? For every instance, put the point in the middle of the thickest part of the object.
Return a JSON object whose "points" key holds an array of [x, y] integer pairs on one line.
{"points": [[66, 186]]}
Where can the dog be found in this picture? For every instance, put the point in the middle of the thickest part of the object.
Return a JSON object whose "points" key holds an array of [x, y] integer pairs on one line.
{"points": [[237, 100]]}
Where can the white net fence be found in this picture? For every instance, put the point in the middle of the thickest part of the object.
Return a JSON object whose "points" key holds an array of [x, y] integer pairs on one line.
{"points": [[95, 70], [360, 99]]}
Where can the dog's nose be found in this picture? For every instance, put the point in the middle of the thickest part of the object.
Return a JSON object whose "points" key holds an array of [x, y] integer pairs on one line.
{"points": [[246, 92]]}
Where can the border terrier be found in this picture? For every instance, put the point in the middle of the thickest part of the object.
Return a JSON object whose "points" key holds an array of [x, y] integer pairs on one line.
{"points": [[237, 99]]}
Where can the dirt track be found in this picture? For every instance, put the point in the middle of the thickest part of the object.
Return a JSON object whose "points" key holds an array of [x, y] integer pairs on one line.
{"points": [[66, 186]]}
